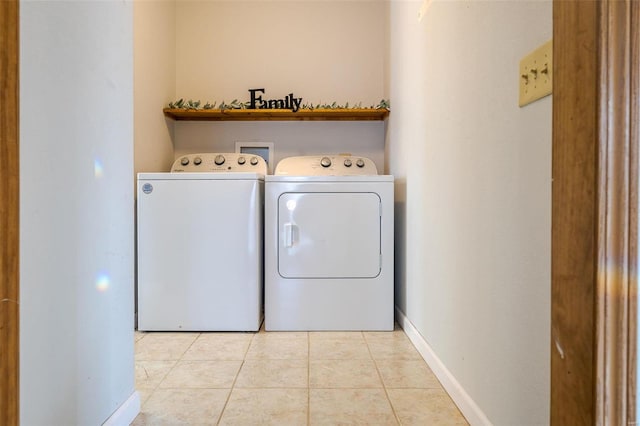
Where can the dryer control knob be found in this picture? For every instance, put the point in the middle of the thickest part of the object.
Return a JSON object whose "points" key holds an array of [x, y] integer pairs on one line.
{"points": [[184, 161], [254, 161], [219, 160], [241, 160], [347, 162], [360, 162], [197, 161], [325, 162]]}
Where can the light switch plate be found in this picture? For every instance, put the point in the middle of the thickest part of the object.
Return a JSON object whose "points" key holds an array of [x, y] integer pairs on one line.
{"points": [[536, 74]]}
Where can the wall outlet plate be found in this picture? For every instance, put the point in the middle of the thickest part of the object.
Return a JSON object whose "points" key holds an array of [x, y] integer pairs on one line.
{"points": [[536, 74]]}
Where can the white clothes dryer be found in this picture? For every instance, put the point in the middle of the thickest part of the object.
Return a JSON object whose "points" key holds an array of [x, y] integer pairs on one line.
{"points": [[328, 245], [200, 244]]}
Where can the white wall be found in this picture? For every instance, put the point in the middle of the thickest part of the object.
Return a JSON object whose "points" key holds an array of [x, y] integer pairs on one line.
{"points": [[474, 198], [76, 212], [322, 51], [154, 83]]}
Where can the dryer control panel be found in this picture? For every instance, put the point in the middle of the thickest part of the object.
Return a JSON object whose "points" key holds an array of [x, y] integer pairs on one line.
{"points": [[326, 165], [220, 162]]}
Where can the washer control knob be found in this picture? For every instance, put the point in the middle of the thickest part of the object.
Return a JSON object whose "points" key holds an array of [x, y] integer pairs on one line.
{"points": [[325, 162], [241, 160], [197, 161], [219, 160], [347, 162], [254, 161], [360, 162], [184, 161]]}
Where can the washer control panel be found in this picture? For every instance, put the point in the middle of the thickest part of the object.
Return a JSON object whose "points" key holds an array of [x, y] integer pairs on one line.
{"points": [[326, 165], [219, 163]]}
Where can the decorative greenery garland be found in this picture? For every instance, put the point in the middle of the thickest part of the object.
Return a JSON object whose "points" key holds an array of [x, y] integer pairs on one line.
{"points": [[235, 104]]}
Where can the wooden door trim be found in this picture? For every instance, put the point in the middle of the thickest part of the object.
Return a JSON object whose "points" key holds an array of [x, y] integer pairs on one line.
{"points": [[594, 212], [616, 311], [9, 213], [574, 212]]}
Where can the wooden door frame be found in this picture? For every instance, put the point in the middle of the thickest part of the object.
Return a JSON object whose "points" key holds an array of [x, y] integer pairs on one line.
{"points": [[594, 212], [9, 213], [616, 313]]}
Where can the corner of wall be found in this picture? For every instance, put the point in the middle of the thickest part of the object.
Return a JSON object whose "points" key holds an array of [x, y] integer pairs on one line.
{"points": [[154, 84]]}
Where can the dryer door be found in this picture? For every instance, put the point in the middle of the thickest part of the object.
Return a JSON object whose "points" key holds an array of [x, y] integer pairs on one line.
{"points": [[329, 235]]}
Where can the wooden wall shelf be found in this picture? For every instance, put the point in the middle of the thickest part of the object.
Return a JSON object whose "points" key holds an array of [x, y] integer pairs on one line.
{"points": [[366, 114]]}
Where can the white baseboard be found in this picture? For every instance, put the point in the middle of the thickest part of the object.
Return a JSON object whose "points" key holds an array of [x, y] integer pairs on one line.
{"points": [[465, 403], [125, 414]]}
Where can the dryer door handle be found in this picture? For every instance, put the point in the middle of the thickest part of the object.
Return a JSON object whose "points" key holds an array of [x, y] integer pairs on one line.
{"points": [[289, 234]]}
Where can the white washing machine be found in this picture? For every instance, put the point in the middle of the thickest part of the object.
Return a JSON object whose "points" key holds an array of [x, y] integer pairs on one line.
{"points": [[328, 245], [200, 244]]}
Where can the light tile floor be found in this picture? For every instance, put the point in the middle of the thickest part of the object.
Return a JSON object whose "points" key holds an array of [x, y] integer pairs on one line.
{"points": [[293, 378]]}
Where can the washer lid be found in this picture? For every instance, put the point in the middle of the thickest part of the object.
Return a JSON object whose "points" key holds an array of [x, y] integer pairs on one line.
{"points": [[232, 162], [326, 165], [199, 176]]}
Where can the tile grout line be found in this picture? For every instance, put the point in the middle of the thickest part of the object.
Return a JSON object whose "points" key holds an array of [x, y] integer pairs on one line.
{"points": [[384, 386], [135, 364], [235, 379], [175, 363]]}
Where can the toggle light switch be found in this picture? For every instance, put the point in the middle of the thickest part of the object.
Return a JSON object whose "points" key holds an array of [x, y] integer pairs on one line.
{"points": [[536, 79]]}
